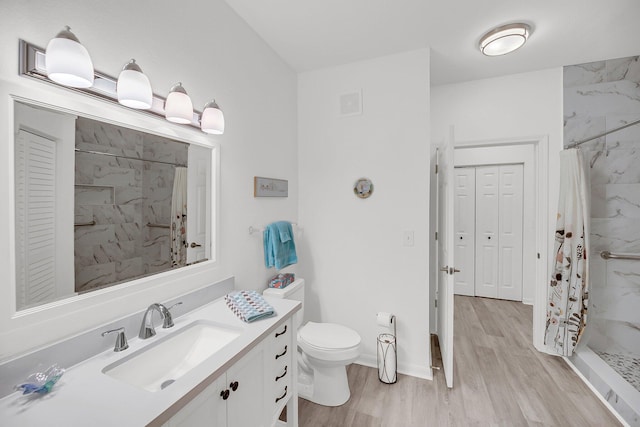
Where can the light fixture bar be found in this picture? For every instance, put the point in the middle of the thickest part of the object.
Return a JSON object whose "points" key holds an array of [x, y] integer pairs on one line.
{"points": [[32, 65]]}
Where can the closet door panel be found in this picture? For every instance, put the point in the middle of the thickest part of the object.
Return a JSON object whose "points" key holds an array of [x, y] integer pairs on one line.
{"points": [[487, 201], [464, 230], [510, 232]]}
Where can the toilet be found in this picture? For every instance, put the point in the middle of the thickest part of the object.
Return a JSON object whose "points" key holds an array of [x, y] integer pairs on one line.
{"points": [[324, 351]]}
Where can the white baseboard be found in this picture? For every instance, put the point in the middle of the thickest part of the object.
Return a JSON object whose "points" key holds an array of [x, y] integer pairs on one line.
{"points": [[527, 301], [413, 370]]}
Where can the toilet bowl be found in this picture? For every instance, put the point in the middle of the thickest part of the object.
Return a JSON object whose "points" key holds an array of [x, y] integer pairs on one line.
{"points": [[324, 351]]}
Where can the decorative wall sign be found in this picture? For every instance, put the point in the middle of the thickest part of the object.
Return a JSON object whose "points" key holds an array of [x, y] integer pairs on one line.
{"points": [[363, 188], [270, 187]]}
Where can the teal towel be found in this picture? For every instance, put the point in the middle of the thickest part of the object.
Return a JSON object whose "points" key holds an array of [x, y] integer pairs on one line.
{"points": [[279, 246]]}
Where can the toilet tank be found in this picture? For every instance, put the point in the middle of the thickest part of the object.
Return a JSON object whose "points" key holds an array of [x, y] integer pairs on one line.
{"points": [[295, 291]]}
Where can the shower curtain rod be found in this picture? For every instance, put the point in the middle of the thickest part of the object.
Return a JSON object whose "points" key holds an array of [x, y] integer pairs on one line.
{"points": [[575, 144], [78, 150]]}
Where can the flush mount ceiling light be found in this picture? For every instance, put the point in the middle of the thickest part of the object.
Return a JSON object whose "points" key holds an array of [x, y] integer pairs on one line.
{"points": [[212, 120], [504, 39], [178, 106], [68, 62], [133, 87]]}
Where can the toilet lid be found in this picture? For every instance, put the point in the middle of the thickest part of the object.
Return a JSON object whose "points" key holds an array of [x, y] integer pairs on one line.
{"points": [[329, 335]]}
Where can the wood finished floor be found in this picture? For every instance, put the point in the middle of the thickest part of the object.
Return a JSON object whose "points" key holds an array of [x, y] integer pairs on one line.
{"points": [[499, 380]]}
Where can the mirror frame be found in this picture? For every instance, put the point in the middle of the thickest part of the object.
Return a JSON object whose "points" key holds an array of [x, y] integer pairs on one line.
{"points": [[31, 328]]}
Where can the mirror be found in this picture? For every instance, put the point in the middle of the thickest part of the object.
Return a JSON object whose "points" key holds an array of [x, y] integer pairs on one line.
{"points": [[100, 204]]}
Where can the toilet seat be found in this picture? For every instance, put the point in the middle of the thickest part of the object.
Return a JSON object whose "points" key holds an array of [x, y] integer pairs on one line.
{"points": [[329, 341]]}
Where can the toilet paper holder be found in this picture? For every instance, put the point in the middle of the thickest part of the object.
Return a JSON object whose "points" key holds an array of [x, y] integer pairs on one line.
{"points": [[387, 350]]}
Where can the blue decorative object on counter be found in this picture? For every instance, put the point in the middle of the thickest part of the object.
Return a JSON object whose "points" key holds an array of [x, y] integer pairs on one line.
{"points": [[281, 280], [41, 382]]}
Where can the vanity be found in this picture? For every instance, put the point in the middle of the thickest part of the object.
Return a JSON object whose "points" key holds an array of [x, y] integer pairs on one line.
{"points": [[247, 381], [106, 178]]}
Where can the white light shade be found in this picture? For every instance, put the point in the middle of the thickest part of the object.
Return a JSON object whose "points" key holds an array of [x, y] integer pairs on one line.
{"points": [[212, 120], [178, 107], [134, 88], [505, 39], [68, 62]]}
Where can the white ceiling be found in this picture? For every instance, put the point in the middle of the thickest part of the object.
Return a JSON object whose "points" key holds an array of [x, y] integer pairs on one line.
{"points": [[315, 34]]}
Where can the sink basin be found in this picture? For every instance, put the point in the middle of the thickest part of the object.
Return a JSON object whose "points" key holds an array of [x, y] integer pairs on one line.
{"points": [[158, 365]]}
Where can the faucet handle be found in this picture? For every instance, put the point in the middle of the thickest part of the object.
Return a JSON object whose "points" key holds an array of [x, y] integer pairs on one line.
{"points": [[168, 318], [121, 339]]}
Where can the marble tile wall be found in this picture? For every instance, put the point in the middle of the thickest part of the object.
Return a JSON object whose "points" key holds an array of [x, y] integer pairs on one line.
{"points": [[598, 97], [122, 196]]}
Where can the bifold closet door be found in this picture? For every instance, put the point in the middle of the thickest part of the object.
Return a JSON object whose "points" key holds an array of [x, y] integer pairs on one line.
{"points": [[510, 232], [487, 229], [464, 230]]}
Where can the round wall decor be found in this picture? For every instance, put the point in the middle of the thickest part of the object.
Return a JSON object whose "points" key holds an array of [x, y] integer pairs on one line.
{"points": [[363, 188]]}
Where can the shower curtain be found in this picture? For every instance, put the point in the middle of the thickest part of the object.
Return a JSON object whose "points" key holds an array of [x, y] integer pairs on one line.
{"points": [[568, 288], [179, 218]]}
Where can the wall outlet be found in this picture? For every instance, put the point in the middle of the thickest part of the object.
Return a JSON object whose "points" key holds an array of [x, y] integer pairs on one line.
{"points": [[407, 238]]}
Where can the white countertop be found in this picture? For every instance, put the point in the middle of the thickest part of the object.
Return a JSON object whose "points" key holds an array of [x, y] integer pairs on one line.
{"points": [[84, 396]]}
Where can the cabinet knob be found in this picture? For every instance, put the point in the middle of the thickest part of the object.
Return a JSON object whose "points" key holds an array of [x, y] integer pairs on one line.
{"points": [[278, 356], [224, 394], [234, 385]]}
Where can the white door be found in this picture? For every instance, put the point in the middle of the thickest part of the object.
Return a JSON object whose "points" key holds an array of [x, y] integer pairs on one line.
{"points": [[444, 292], [510, 233], [487, 178], [464, 230], [197, 202]]}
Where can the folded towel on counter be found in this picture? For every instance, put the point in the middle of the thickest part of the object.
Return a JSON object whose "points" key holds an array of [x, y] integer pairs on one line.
{"points": [[279, 246], [281, 280], [249, 305]]}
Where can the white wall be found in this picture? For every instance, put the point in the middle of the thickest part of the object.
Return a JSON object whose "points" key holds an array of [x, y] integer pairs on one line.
{"points": [[353, 259], [516, 107], [207, 47]]}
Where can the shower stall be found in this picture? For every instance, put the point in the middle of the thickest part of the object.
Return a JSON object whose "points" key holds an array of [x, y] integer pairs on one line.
{"points": [[602, 117]]}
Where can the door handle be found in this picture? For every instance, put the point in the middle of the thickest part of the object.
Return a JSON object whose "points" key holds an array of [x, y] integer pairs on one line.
{"points": [[195, 245], [449, 270]]}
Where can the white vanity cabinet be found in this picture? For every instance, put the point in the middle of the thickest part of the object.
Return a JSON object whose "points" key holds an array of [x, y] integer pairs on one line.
{"points": [[207, 409], [234, 399], [253, 392]]}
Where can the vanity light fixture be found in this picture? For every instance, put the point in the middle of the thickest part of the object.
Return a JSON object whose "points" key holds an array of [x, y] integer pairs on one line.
{"points": [[68, 62], [133, 87], [212, 119], [504, 39], [178, 107]]}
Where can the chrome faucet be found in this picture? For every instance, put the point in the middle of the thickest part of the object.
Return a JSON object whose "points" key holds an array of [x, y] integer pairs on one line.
{"points": [[121, 340], [146, 329]]}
